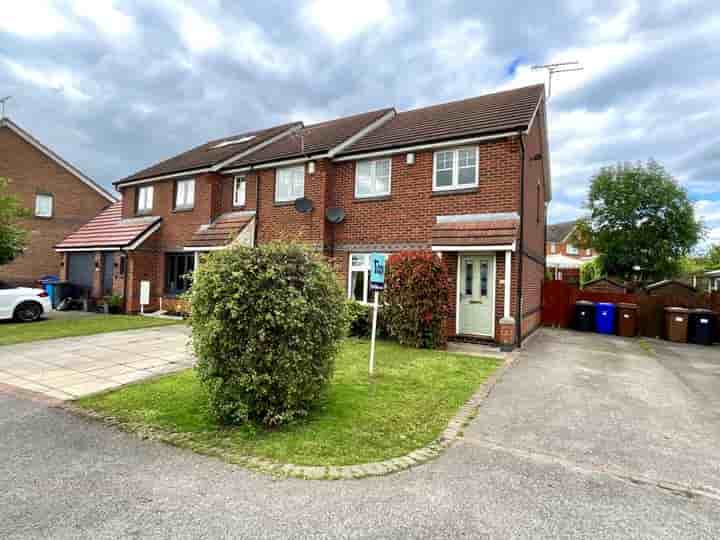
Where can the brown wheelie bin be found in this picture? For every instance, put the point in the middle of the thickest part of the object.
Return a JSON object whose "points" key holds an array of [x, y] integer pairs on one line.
{"points": [[627, 320], [676, 324]]}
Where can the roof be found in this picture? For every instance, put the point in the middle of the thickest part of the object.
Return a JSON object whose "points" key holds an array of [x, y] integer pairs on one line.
{"points": [[558, 232], [12, 126], [213, 152], [611, 281], [558, 260], [484, 232], [510, 110], [713, 273], [109, 230], [222, 231], [667, 283], [316, 138]]}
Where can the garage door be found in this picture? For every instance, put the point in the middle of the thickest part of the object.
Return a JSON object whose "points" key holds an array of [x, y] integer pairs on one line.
{"points": [[80, 270]]}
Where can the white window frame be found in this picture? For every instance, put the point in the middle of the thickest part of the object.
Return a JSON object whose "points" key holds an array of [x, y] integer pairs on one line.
{"points": [[189, 195], [571, 249], [373, 178], [588, 252], [293, 195], [237, 182], [553, 247], [38, 212], [456, 169], [145, 204], [365, 269]]}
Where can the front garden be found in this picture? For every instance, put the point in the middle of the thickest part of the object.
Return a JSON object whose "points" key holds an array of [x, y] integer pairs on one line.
{"points": [[405, 406]]}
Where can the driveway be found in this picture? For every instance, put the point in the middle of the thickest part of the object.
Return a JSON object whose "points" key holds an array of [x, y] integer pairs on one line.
{"points": [[576, 441], [74, 367]]}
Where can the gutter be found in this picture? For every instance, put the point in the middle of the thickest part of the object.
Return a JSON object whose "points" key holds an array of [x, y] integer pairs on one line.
{"points": [[521, 245]]}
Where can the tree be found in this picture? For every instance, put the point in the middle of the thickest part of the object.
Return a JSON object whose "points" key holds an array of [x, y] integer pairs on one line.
{"points": [[713, 258], [12, 237], [640, 217]]}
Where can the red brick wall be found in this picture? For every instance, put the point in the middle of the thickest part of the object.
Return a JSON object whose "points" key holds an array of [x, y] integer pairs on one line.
{"points": [[408, 214], [74, 203]]}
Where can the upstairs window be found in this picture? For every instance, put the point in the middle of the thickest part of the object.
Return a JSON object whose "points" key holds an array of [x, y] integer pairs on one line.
{"points": [[553, 247], [144, 199], [372, 178], [185, 194], [44, 205], [239, 191], [289, 183], [456, 169], [571, 250]]}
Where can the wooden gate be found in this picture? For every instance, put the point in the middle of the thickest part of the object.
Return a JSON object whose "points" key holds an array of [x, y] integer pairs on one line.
{"points": [[557, 299]]}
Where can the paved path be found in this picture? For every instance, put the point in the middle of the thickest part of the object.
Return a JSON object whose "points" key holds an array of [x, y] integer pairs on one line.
{"points": [[69, 368], [531, 466]]}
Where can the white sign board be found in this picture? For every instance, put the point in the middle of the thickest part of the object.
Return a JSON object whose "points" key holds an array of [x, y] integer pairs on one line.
{"points": [[144, 294]]}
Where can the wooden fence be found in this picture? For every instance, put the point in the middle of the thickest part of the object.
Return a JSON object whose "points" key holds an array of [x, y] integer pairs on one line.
{"points": [[559, 305]]}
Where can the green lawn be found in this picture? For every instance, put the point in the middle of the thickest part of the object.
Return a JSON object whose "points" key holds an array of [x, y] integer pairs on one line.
{"points": [[11, 333], [406, 405]]}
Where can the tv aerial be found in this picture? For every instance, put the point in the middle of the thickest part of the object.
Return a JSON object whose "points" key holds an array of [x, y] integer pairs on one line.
{"points": [[559, 67]]}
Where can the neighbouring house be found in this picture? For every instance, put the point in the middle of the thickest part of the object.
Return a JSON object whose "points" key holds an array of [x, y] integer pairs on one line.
{"points": [[563, 257], [468, 180], [713, 278], [60, 198]]}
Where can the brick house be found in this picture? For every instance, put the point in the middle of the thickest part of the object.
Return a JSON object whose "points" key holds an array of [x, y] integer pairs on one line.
{"points": [[468, 180], [564, 258], [60, 198]]}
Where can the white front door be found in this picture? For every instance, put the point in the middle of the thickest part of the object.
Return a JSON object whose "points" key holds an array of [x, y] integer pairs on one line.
{"points": [[476, 295]]}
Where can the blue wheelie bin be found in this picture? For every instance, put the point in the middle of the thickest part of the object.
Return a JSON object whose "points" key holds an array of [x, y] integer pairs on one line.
{"points": [[48, 283], [605, 318]]}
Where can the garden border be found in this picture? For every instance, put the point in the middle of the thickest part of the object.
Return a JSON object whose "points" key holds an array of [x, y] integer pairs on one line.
{"points": [[452, 432]]}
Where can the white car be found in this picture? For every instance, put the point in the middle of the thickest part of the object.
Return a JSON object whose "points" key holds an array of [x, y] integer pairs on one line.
{"points": [[24, 304]]}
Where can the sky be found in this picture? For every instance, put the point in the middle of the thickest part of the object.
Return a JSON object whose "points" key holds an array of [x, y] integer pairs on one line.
{"points": [[116, 86]]}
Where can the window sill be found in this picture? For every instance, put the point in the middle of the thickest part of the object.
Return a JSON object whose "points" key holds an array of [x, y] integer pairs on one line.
{"points": [[43, 217], [372, 199], [283, 203], [239, 206], [144, 213], [455, 191], [183, 209]]}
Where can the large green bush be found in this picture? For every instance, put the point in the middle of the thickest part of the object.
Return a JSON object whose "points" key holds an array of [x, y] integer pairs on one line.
{"points": [[360, 316], [266, 324], [416, 298]]}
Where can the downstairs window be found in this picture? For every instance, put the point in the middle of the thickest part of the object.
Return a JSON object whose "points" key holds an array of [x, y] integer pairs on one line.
{"points": [[178, 267]]}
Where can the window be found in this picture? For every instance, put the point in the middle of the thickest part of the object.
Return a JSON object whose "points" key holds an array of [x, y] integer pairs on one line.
{"points": [[359, 277], [184, 194], [372, 178], [588, 252], [571, 250], [43, 205], [178, 266], [456, 168], [289, 183], [144, 199], [553, 247], [239, 191]]}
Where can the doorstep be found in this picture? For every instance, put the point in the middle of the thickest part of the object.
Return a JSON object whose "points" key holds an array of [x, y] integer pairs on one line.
{"points": [[487, 349]]}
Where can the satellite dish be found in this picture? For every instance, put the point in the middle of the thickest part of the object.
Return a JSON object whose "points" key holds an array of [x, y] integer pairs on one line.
{"points": [[303, 205], [335, 215]]}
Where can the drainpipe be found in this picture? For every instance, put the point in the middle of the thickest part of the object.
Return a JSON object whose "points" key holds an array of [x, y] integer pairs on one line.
{"points": [[257, 206], [521, 245]]}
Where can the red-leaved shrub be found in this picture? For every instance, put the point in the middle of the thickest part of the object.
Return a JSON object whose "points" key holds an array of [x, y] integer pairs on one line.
{"points": [[416, 298]]}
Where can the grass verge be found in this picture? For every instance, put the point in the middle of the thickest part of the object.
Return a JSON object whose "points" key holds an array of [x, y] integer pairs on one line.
{"points": [[406, 405], [12, 333]]}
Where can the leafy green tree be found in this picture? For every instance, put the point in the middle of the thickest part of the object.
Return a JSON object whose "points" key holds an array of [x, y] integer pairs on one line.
{"points": [[12, 237], [592, 270], [713, 258], [640, 217]]}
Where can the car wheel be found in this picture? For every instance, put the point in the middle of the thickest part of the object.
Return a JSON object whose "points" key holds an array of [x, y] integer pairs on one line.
{"points": [[28, 312]]}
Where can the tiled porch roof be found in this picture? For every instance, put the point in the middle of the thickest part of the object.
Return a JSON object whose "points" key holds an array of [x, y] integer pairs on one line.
{"points": [[108, 230], [222, 231], [499, 232]]}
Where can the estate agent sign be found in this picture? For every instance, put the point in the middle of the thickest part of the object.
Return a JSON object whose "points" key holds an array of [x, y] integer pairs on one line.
{"points": [[377, 284]]}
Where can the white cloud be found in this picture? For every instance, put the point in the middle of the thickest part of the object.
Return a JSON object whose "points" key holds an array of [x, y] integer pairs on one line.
{"points": [[199, 34], [33, 19], [343, 20], [104, 15], [59, 80]]}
